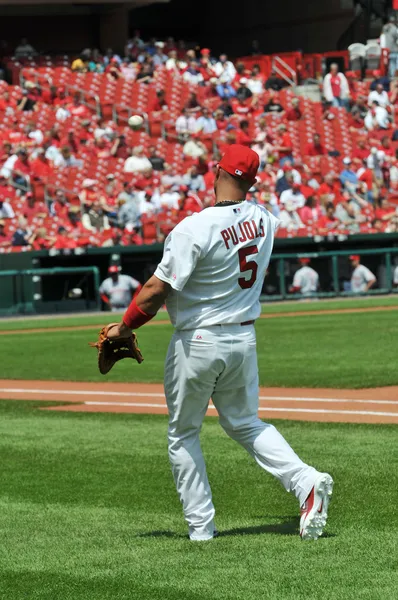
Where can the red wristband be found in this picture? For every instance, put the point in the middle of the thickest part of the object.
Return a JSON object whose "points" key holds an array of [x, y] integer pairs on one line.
{"points": [[134, 317]]}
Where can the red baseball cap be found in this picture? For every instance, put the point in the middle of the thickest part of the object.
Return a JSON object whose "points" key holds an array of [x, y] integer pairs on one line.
{"points": [[241, 162], [355, 257], [205, 51], [113, 269], [305, 260]]}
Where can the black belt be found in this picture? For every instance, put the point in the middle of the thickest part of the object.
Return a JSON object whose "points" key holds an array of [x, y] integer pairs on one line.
{"points": [[244, 323]]}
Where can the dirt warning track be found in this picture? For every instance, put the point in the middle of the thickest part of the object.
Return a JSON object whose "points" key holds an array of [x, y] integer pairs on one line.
{"points": [[373, 405]]}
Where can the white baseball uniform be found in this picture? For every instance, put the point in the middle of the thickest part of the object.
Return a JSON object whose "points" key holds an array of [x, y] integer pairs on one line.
{"points": [[395, 280], [215, 262], [119, 292], [361, 275], [307, 279]]}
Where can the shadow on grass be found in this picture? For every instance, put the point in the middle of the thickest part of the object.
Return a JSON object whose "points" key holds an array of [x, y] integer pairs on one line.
{"points": [[287, 526]]}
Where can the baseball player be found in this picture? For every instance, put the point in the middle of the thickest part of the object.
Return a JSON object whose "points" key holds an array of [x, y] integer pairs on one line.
{"points": [[362, 279], [305, 280], [210, 278], [395, 279], [117, 290]]}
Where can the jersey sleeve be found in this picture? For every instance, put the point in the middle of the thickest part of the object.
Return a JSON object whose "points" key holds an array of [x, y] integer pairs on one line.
{"points": [[180, 255], [134, 284], [103, 287], [297, 280], [396, 275], [368, 275]]}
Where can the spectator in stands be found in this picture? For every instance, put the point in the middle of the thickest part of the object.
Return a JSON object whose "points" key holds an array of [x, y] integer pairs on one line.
{"points": [[77, 108], [263, 150], [283, 145], [225, 90], [193, 180], [89, 194], [60, 206], [329, 221], [226, 107], [80, 64], [362, 279], [41, 167], [335, 87], [348, 175], [5, 239], [311, 212], [185, 125], [255, 82], [289, 217], [129, 215], [294, 113], [193, 75], [379, 78], [192, 105], [243, 92], [138, 162], [21, 171], [127, 194], [24, 49], [159, 58], [156, 161], [242, 136], [385, 211], [159, 105], [377, 117], [171, 178], [361, 150], [274, 82], [94, 219], [293, 195], [193, 147], [206, 124], [380, 95], [360, 106], [146, 74], [224, 69], [120, 148], [389, 40], [272, 106], [316, 148], [172, 62], [65, 159], [27, 102], [22, 235], [6, 210]]}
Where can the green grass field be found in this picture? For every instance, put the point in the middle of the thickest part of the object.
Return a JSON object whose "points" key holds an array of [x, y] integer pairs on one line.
{"points": [[273, 308], [341, 350], [89, 512]]}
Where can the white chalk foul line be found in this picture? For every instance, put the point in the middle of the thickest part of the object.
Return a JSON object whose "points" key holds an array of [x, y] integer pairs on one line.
{"points": [[262, 409], [161, 395]]}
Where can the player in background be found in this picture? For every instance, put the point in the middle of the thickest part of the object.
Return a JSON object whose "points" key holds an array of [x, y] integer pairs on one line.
{"points": [[395, 277], [305, 280], [210, 277], [118, 290], [362, 278]]}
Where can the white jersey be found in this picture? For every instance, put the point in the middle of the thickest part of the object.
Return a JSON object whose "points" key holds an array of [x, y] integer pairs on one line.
{"points": [[215, 261], [395, 280], [360, 277], [119, 292], [307, 280]]}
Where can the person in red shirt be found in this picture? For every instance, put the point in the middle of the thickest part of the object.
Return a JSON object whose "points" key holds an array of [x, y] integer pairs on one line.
{"points": [[33, 208], [211, 89], [5, 239], [64, 240], [189, 202], [221, 121], [386, 146], [89, 194], [60, 206], [242, 135], [147, 179], [71, 140], [159, 104], [242, 107], [294, 113], [329, 221], [385, 211], [22, 171], [15, 135], [7, 102], [48, 95], [77, 108], [316, 148], [62, 99], [329, 191], [41, 240], [284, 145], [41, 167], [120, 149], [210, 176], [361, 151], [6, 152]]}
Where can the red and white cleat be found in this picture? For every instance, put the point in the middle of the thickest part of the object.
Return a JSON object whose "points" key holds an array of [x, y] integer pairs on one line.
{"points": [[314, 511]]}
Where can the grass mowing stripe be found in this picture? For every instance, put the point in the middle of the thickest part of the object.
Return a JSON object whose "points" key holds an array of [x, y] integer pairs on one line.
{"points": [[88, 509], [336, 351], [291, 306]]}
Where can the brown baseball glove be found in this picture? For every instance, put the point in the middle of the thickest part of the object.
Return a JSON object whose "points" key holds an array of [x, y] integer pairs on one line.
{"points": [[110, 351]]}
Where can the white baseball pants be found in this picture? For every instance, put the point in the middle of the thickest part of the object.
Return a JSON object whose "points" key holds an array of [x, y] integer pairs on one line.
{"points": [[220, 362]]}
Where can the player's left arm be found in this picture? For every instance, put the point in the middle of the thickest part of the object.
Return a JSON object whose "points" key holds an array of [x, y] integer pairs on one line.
{"points": [[142, 308], [370, 279]]}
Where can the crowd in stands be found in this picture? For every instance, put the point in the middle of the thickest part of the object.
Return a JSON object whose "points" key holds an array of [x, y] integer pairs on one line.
{"points": [[72, 178]]}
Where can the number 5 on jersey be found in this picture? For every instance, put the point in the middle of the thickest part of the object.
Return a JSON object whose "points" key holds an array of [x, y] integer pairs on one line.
{"points": [[247, 266]]}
